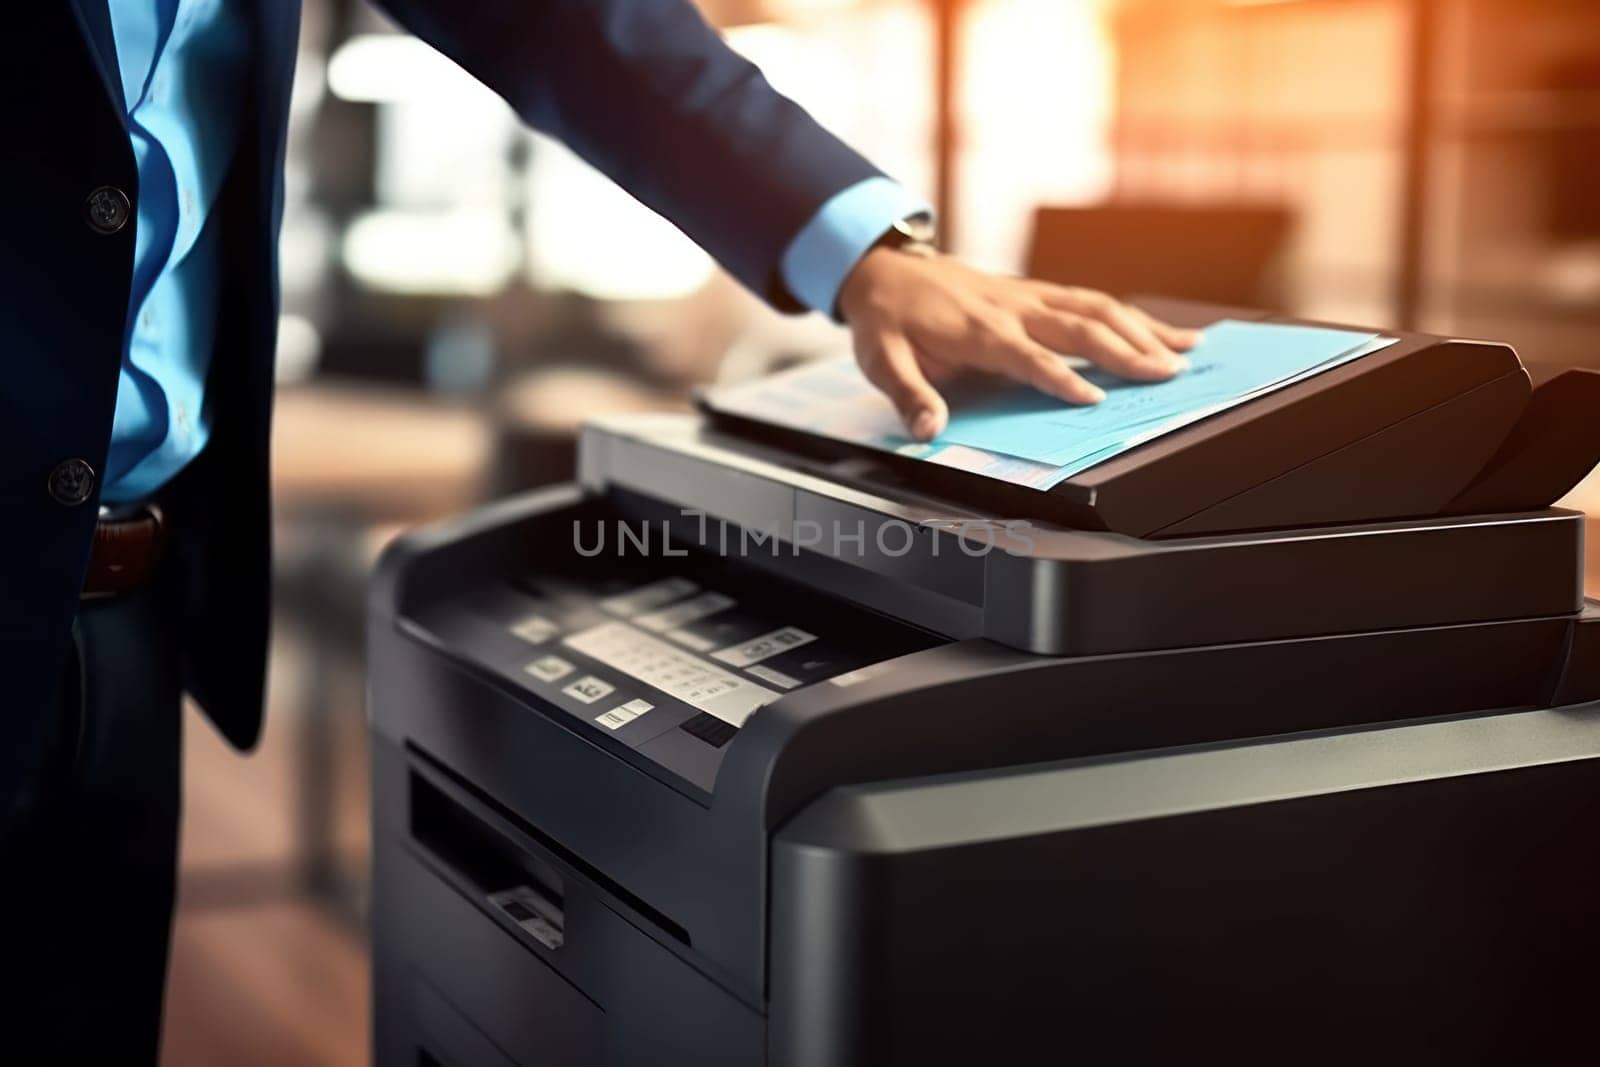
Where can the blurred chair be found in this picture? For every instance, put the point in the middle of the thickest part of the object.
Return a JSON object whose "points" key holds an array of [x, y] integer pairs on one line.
{"points": [[1228, 254]]}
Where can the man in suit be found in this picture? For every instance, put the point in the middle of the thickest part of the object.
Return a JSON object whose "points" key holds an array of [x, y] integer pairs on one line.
{"points": [[138, 303]]}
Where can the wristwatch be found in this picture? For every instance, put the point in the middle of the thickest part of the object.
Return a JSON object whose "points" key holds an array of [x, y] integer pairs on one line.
{"points": [[916, 235]]}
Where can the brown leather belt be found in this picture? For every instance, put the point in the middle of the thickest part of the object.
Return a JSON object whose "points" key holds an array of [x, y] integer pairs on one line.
{"points": [[124, 553]]}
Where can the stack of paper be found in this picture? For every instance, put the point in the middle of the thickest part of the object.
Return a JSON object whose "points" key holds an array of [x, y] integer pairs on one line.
{"points": [[1020, 435]]}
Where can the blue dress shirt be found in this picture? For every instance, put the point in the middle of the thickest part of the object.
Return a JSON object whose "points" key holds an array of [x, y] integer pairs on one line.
{"points": [[822, 254], [180, 64]]}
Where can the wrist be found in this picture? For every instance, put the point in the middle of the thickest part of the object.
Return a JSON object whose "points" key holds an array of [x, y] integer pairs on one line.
{"points": [[867, 277], [913, 235]]}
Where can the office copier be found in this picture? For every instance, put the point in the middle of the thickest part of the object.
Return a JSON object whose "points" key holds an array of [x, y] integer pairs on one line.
{"points": [[1276, 739]]}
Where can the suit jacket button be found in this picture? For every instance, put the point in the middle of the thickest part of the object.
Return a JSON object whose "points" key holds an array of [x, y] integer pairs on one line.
{"points": [[107, 209], [72, 482]]}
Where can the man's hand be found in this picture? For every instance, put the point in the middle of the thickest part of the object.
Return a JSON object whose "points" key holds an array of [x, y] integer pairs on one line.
{"points": [[918, 320]]}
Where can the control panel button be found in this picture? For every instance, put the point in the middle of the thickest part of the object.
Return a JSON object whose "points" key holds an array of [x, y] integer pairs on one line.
{"points": [[589, 689], [623, 714], [772, 677], [549, 668], [764, 647], [536, 629]]}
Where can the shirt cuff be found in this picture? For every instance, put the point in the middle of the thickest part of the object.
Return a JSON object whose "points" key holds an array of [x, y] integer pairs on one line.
{"points": [[827, 249]]}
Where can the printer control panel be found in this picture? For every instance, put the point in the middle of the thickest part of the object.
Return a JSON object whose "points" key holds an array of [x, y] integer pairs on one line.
{"points": [[665, 657]]}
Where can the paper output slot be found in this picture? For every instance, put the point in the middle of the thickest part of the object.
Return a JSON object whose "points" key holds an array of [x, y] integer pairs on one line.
{"points": [[477, 854], [480, 846]]}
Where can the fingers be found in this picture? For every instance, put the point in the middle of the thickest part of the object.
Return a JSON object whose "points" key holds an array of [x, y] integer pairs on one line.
{"points": [[890, 363], [1019, 356], [925, 319], [1103, 345], [1136, 330], [1177, 338], [1159, 341]]}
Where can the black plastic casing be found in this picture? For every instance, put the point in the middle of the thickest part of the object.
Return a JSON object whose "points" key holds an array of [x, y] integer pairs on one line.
{"points": [[1139, 797], [688, 906]]}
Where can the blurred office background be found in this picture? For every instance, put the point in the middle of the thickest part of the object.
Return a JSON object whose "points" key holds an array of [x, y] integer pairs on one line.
{"points": [[461, 292]]}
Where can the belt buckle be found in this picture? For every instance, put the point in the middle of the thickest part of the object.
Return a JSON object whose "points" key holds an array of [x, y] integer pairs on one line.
{"points": [[126, 512], [123, 514]]}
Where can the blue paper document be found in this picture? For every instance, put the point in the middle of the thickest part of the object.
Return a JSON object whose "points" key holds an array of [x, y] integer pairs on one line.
{"points": [[1233, 361], [1019, 435]]}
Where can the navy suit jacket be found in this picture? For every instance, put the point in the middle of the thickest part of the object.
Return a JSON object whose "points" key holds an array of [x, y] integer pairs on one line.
{"points": [[642, 88]]}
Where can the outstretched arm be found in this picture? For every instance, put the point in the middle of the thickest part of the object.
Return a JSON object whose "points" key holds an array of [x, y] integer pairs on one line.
{"points": [[651, 95]]}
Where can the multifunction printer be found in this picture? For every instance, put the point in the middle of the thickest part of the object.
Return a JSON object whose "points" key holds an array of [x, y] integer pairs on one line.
{"points": [[1275, 739]]}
